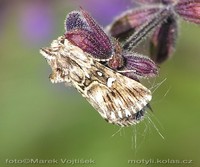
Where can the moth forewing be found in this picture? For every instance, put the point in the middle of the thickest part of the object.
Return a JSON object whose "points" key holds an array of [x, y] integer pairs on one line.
{"points": [[116, 97], [120, 102]]}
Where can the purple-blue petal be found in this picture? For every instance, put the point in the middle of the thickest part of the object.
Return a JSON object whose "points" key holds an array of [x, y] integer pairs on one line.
{"points": [[76, 20]]}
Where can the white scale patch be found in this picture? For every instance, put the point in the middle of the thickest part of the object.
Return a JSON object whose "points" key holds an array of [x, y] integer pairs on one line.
{"points": [[149, 97], [127, 112], [145, 100], [120, 114], [113, 116], [110, 82], [99, 73], [98, 97], [87, 75]]}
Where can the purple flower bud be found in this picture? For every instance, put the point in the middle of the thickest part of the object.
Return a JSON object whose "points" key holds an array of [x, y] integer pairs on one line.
{"points": [[84, 32], [100, 35], [130, 21], [163, 41], [140, 66], [87, 41], [189, 10]]}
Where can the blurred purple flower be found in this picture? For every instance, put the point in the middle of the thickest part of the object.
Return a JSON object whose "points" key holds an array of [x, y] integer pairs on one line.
{"points": [[104, 10], [3, 11], [36, 22]]}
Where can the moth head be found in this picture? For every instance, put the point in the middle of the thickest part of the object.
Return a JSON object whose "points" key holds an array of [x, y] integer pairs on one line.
{"points": [[57, 59]]}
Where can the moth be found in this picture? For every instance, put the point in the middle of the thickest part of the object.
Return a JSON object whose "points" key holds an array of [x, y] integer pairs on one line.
{"points": [[98, 67]]}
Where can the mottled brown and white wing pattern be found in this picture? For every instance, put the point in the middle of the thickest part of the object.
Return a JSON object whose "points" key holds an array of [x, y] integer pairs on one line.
{"points": [[116, 97]]}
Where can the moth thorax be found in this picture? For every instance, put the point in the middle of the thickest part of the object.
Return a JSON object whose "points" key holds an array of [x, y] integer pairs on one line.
{"points": [[116, 62]]}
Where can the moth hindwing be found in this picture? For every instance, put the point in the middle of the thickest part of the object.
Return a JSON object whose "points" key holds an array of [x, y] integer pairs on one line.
{"points": [[118, 99]]}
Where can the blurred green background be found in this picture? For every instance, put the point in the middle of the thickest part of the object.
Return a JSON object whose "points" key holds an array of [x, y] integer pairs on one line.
{"points": [[40, 120]]}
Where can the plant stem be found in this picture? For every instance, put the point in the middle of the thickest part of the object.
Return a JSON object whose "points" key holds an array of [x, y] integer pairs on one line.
{"points": [[147, 28]]}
